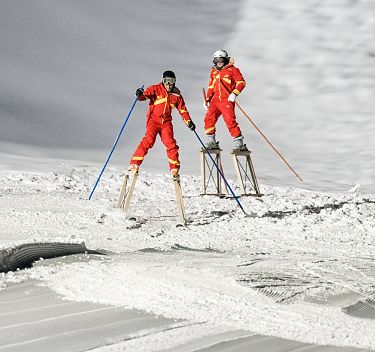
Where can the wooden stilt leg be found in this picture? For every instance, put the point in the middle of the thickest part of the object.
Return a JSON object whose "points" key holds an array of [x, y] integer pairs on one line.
{"points": [[127, 191], [120, 203], [203, 172], [245, 173], [179, 199], [253, 176], [210, 176], [238, 172]]}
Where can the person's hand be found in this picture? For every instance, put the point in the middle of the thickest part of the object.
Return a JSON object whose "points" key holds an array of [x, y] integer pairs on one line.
{"points": [[191, 125], [232, 97], [206, 104], [139, 92]]}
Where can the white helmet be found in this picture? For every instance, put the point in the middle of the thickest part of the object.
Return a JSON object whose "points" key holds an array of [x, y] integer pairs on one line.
{"points": [[220, 53]]}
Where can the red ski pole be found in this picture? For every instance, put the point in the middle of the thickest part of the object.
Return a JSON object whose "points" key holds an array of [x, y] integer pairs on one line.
{"points": [[262, 134]]}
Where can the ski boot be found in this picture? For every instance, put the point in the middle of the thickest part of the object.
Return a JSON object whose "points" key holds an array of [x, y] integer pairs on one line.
{"points": [[238, 144], [133, 169], [211, 142]]}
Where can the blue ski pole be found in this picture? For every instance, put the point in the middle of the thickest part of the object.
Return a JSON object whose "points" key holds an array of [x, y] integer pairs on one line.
{"points": [[114, 146], [221, 174]]}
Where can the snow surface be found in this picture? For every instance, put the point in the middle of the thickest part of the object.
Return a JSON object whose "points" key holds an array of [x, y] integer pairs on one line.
{"points": [[70, 69], [282, 271]]}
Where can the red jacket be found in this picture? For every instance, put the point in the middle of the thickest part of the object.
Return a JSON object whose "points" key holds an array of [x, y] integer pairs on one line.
{"points": [[162, 103], [230, 77]]}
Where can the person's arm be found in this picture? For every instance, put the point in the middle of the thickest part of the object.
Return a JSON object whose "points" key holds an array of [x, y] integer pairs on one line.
{"points": [[139, 93], [181, 107], [239, 85], [144, 94], [240, 81], [210, 88]]}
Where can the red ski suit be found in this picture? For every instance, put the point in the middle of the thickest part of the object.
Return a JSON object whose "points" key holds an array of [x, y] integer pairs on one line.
{"points": [[222, 83], [159, 121]]}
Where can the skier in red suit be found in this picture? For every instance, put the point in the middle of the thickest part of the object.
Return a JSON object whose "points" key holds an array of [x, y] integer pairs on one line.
{"points": [[225, 84], [163, 98]]}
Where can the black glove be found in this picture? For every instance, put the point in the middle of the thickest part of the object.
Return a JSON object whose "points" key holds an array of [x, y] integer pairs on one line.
{"points": [[191, 125], [139, 92]]}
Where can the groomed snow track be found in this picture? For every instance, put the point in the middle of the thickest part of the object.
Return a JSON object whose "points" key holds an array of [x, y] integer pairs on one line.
{"points": [[24, 255]]}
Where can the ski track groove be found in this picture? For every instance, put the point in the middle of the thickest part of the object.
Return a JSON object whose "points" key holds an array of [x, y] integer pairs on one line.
{"points": [[58, 317]]}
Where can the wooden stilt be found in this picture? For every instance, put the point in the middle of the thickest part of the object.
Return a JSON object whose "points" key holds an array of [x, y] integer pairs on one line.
{"points": [[210, 176], [127, 190], [179, 199], [245, 173]]}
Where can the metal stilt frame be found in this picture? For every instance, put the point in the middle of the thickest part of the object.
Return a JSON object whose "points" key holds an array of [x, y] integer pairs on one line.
{"points": [[210, 176], [245, 173]]}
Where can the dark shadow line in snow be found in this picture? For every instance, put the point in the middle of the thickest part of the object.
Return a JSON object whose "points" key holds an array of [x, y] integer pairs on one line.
{"points": [[311, 209], [278, 214], [135, 226], [255, 260], [210, 217], [24, 255], [177, 246], [153, 250]]}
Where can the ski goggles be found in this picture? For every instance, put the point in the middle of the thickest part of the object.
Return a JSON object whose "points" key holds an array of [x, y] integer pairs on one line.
{"points": [[169, 80], [218, 60]]}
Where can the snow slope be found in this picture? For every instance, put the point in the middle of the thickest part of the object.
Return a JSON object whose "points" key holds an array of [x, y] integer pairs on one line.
{"points": [[299, 267]]}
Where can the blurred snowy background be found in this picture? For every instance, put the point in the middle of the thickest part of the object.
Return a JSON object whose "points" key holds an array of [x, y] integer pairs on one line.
{"points": [[69, 70]]}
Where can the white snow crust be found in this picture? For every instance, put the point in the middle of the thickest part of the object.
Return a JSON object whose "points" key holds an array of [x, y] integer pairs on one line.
{"points": [[290, 269]]}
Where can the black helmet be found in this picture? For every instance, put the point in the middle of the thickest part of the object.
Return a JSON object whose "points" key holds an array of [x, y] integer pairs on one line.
{"points": [[169, 77], [169, 74]]}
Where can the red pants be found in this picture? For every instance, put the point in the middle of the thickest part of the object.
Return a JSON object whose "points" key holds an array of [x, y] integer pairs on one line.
{"points": [[154, 126], [225, 108]]}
